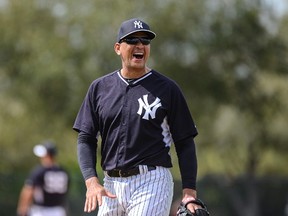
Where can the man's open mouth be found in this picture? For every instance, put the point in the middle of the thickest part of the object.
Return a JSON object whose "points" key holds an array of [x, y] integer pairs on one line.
{"points": [[138, 55]]}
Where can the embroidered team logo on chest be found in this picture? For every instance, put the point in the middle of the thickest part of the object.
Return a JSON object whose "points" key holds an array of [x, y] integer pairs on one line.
{"points": [[149, 109]]}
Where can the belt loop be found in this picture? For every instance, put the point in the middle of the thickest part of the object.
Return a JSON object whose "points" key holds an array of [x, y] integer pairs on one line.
{"points": [[143, 169]]}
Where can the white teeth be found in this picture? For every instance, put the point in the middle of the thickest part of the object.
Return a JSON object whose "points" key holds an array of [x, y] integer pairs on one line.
{"points": [[138, 55]]}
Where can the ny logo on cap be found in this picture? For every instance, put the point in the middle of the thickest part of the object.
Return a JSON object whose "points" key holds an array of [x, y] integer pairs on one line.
{"points": [[138, 24]]}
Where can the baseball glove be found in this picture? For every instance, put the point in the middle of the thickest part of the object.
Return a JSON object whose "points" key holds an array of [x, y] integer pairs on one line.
{"points": [[184, 211]]}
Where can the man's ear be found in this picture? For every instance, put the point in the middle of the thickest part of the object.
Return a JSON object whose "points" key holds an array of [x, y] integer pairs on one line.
{"points": [[117, 48]]}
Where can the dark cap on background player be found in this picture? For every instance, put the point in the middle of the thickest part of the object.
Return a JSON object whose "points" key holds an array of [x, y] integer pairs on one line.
{"points": [[46, 148], [131, 26]]}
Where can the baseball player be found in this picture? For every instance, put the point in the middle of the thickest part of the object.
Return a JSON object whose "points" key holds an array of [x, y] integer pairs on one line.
{"points": [[138, 113], [45, 190]]}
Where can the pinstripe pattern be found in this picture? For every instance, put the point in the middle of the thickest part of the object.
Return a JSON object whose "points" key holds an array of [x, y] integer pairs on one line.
{"points": [[147, 194]]}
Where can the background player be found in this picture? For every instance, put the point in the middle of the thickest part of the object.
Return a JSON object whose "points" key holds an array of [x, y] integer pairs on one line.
{"points": [[139, 113], [45, 190]]}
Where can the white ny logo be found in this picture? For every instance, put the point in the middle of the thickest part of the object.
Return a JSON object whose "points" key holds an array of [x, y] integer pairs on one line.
{"points": [[138, 24], [150, 109]]}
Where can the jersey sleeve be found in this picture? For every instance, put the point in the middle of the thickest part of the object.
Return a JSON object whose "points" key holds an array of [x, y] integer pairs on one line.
{"points": [[180, 119], [35, 176], [86, 119]]}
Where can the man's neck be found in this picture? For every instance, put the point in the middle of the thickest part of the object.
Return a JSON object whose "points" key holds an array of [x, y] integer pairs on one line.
{"points": [[133, 74]]}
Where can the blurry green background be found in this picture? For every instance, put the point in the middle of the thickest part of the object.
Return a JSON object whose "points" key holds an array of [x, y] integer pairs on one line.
{"points": [[229, 57]]}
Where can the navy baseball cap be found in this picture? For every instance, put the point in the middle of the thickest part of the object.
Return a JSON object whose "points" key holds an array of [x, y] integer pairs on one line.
{"points": [[46, 148], [131, 26]]}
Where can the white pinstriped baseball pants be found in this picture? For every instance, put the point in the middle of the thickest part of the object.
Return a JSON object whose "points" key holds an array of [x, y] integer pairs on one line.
{"points": [[47, 211], [147, 194]]}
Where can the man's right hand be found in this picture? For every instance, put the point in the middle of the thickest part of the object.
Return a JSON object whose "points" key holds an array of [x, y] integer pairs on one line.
{"points": [[94, 194]]}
